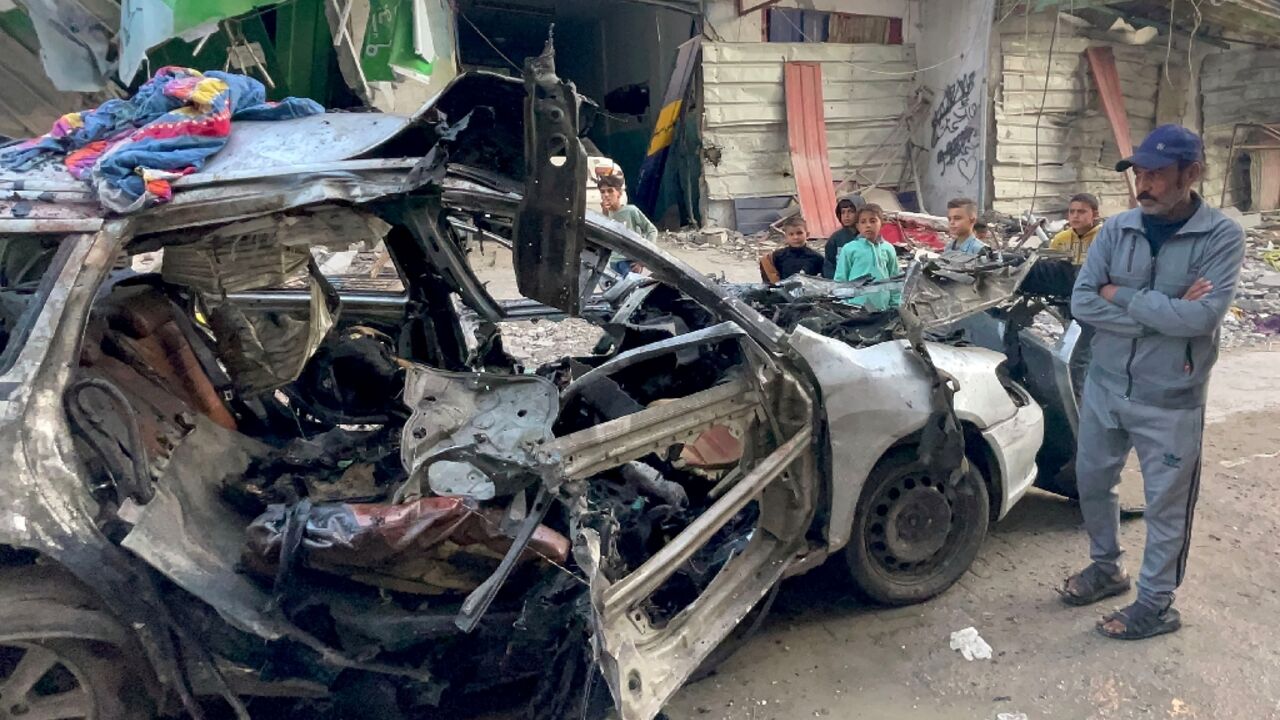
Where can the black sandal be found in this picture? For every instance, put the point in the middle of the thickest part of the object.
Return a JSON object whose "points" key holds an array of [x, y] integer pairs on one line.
{"points": [[1141, 622], [1093, 584]]}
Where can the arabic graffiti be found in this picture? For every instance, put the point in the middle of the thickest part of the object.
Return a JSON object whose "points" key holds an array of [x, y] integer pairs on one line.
{"points": [[956, 109], [954, 124], [959, 153]]}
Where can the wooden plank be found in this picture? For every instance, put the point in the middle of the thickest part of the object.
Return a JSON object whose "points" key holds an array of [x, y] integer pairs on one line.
{"points": [[726, 94], [763, 52], [765, 114], [771, 72]]}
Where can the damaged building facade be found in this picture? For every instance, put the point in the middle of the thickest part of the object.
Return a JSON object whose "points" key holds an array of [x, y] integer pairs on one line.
{"points": [[1005, 105], [909, 102]]}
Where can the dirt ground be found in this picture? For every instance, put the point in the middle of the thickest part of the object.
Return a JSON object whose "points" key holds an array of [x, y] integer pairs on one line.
{"points": [[822, 653]]}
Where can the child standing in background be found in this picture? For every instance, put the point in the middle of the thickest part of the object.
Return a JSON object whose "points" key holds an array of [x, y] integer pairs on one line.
{"points": [[869, 256], [794, 257], [629, 215]]}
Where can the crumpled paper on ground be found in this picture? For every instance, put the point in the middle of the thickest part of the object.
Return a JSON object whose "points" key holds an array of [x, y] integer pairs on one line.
{"points": [[970, 644]]}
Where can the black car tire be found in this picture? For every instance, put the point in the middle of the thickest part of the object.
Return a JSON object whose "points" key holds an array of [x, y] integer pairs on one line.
{"points": [[913, 535], [1062, 482], [84, 679]]}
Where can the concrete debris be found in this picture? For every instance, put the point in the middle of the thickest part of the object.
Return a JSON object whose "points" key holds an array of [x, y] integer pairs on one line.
{"points": [[1248, 221], [1257, 304], [970, 644], [537, 343], [1011, 716], [731, 242]]}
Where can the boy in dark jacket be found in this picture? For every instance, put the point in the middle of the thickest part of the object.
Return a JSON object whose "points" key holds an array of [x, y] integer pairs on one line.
{"points": [[847, 213], [794, 257]]}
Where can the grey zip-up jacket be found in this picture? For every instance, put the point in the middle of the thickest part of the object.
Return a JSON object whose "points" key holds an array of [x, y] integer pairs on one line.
{"points": [[1152, 346]]}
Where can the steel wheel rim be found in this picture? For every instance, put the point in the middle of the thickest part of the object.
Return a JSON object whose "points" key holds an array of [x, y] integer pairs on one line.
{"points": [[912, 520], [36, 683]]}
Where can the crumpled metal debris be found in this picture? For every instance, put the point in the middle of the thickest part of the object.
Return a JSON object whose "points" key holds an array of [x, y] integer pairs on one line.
{"points": [[475, 434], [429, 546], [321, 468]]}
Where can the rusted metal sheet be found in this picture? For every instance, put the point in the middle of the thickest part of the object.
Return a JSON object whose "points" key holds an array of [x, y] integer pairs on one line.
{"points": [[1102, 64], [807, 132]]}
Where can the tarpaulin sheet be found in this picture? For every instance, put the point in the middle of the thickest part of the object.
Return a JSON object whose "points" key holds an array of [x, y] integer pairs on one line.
{"points": [[807, 135], [664, 130], [129, 150]]}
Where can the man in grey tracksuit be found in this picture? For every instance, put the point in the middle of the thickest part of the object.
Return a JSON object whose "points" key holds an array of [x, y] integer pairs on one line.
{"points": [[1155, 287]]}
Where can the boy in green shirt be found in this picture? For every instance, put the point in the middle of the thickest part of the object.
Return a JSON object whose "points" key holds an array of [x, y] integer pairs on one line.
{"points": [[629, 215], [869, 256]]}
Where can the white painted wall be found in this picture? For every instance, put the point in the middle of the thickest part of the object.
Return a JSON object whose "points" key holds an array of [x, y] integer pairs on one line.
{"points": [[745, 116], [955, 36], [726, 25]]}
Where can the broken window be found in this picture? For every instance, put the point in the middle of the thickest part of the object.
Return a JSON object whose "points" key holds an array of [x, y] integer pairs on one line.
{"points": [[25, 262], [794, 25]]}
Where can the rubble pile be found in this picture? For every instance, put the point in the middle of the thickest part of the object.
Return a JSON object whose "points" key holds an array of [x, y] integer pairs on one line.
{"points": [[544, 341], [1255, 318], [731, 242]]}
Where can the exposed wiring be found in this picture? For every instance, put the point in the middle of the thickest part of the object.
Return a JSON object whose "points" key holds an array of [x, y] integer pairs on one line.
{"points": [[489, 42], [1044, 101], [1191, 41]]}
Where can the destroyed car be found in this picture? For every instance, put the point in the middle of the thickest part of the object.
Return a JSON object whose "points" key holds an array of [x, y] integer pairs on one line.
{"points": [[241, 478]]}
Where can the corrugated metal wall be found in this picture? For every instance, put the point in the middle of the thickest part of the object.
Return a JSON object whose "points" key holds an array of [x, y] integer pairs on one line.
{"points": [[744, 129], [1077, 151], [1237, 86]]}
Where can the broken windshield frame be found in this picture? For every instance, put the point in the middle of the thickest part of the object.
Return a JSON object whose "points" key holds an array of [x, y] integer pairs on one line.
{"points": [[19, 334]]}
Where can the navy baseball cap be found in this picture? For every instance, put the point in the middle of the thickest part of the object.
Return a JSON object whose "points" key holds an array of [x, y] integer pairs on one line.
{"points": [[1165, 146]]}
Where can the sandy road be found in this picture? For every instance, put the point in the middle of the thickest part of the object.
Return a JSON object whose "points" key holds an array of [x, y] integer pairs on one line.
{"points": [[824, 654]]}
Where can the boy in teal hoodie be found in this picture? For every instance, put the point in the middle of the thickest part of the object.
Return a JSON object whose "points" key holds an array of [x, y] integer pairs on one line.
{"points": [[868, 255]]}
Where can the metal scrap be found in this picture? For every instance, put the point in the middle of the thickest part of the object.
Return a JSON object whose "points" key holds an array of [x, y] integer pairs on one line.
{"points": [[549, 226], [478, 435]]}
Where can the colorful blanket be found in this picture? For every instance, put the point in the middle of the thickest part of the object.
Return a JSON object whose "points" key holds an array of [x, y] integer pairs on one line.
{"points": [[130, 150]]}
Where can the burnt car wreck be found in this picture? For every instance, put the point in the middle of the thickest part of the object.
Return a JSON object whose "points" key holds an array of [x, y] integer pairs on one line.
{"points": [[237, 478]]}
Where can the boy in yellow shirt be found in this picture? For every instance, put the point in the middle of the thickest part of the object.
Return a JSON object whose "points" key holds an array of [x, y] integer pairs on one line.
{"points": [[1082, 227]]}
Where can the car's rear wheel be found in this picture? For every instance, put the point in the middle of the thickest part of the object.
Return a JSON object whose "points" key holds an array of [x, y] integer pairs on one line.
{"points": [[915, 532]]}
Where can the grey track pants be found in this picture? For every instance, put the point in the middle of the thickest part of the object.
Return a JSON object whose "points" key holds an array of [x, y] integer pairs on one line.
{"points": [[1168, 444]]}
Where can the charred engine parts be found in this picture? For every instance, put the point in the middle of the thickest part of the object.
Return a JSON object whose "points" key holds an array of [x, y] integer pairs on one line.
{"points": [[106, 422]]}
